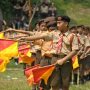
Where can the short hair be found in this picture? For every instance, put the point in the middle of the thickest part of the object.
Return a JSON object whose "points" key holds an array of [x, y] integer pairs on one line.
{"points": [[87, 28], [58, 18], [73, 27], [63, 18], [40, 22], [81, 26]]}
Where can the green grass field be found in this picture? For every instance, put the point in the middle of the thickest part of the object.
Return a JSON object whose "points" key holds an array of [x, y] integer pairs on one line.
{"points": [[14, 79]]}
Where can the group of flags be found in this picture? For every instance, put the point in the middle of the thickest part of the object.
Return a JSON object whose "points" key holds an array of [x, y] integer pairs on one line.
{"points": [[10, 48], [36, 73]]}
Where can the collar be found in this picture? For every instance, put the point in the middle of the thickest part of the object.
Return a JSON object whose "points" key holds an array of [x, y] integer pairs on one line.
{"points": [[67, 33]]}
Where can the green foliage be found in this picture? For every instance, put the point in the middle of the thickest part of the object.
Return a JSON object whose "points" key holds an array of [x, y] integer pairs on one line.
{"points": [[78, 10], [7, 8]]}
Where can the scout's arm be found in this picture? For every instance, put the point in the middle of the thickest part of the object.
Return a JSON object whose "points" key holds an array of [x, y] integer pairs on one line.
{"points": [[69, 56], [18, 36], [74, 47], [23, 31], [31, 38], [88, 51], [18, 31], [80, 51]]}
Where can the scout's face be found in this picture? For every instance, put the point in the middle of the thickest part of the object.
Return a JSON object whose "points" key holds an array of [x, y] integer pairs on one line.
{"points": [[80, 31], [43, 26], [85, 32], [61, 25], [74, 30]]}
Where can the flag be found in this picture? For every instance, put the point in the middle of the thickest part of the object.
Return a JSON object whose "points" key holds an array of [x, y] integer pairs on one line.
{"points": [[29, 74], [26, 59], [1, 35], [25, 54], [27, 70], [41, 73], [8, 49], [75, 62], [2, 65], [25, 50]]}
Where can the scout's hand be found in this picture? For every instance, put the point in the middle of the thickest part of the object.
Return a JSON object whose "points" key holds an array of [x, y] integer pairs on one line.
{"points": [[23, 38], [82, 56], [60, 62], [9, 30]]}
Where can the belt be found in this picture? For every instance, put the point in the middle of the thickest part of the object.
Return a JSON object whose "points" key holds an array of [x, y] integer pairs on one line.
{"points": [[61, 56]]}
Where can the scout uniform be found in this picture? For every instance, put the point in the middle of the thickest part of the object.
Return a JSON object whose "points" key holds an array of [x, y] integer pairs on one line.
{"points": [[37, 46], [81, 46], [62, 74], [33, 51], [83, 62], [47, 51], [87, 60]]}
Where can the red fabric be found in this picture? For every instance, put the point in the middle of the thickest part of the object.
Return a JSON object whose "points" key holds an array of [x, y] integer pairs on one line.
{"points": [[59, 44]]}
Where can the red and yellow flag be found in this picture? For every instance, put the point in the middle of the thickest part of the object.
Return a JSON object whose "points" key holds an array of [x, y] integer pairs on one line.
{"points": [[41, 73], [29, 74], [28, 70], [3, 64], [25, 49], [25, 55], [26, 59], [75, 62], [8, 49], [1, 35]]}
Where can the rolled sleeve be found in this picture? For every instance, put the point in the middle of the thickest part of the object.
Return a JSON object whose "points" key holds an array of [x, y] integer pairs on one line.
{"points": [[87, 42], [75, 43], [48, 36]]}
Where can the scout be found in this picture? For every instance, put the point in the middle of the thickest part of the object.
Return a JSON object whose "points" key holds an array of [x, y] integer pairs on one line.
{"points": [[66, 49]]}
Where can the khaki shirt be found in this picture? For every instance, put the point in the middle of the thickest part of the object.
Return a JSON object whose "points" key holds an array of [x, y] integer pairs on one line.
{"points": [[80, 39], [87, 41], [47, 43], [50, 41], [37, 43], [67, 45]]}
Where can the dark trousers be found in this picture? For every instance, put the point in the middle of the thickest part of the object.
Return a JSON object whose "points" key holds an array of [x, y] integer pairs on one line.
{"points": [[44, 62], [60, 78]]}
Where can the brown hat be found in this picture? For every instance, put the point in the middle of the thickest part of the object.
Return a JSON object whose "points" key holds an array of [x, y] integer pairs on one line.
{"points": [[51, 23], [63, 18], [48, 19]]}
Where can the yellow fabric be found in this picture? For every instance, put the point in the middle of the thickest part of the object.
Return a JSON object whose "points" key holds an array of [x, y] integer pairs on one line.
{"points": [[26, 59], [47, 74], [30, 79], [3, 65], [10, 51], [75, 62], [29, 53], [1, 35]]}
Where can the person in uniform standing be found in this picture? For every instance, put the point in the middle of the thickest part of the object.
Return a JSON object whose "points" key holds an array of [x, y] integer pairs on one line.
{"points": [[65, 49]]}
